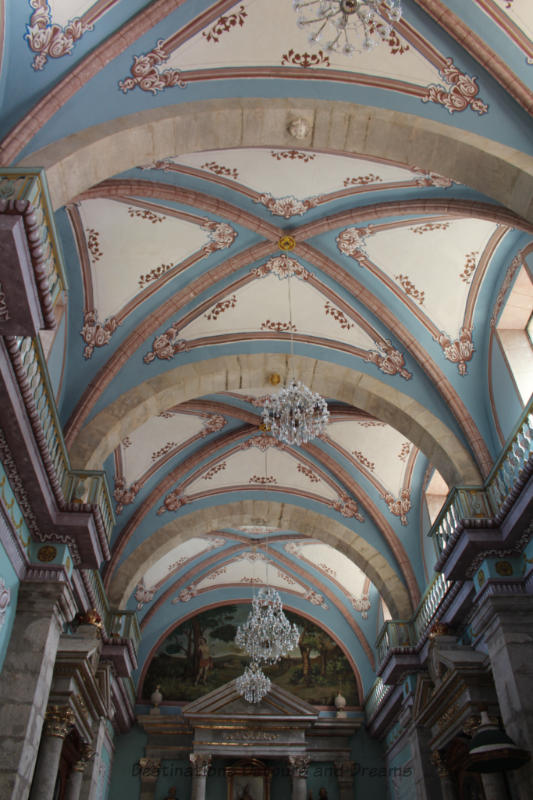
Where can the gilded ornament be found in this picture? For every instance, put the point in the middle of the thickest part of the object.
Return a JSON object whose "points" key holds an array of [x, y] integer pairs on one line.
{"points": [[504, 568], [47, 553], [481, 578], [287, 242]]}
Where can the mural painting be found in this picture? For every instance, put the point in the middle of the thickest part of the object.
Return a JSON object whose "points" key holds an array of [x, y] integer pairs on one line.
{"points": [[200, 655]]}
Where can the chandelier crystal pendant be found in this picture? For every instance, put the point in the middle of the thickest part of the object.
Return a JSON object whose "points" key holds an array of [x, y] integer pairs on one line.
{"points": [[296, 414], [253, 684], [267, 634], [338, 23]]}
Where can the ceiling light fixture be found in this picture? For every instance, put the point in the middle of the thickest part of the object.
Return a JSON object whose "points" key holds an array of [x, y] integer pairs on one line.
{"points": [[295, 415], [339, 22]]}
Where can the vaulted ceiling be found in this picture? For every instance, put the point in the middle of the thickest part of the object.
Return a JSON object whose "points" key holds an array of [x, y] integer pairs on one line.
{"points": [[233, 205]]}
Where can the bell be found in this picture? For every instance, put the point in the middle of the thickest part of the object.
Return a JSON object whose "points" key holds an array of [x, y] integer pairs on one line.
{"points": [[491, 750]]}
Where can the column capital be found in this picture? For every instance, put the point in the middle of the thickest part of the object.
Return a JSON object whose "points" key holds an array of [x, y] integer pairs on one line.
{"points": [[87, 755], [201, 762], [58, 721], [344, 769], [438, 763], [299, 765], [150, 768]]}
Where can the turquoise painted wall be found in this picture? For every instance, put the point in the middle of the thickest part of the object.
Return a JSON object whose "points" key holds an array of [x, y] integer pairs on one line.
{"points": [[400, 775], [177, 774], [9, 576], [57, 354], [506, 399], [125, 780], [370, 772]]}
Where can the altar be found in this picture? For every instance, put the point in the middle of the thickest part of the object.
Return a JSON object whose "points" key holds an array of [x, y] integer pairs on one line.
{"points": [[249, 738]]}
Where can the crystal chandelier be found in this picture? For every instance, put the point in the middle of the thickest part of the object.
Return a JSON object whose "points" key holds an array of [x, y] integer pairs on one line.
{"points": [[253, 684], [267, 634], [296, 414], [339, 22]]}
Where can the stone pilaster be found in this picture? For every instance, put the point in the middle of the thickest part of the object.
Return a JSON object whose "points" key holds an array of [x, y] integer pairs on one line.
{"points": [[42, 609], [201, 763], [57, 726], [298, 766], [507, 625], [344, 770], [426, 780], [150, 768], [494, 786]]}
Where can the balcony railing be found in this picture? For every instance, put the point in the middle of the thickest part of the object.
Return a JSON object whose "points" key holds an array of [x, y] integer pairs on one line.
{"points": [[495, 497], [74, 490], [377, 695], [118, 625], [24, 192]]}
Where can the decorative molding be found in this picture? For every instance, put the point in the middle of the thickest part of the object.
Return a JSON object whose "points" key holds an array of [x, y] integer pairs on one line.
{"points": [[145, 72], [220, 307], [362, 180], [361, 604], [294, 59], [410, 289], [154, 274], [279, 327], [348, 507], [430, 226], [308, 472], [292, 155], [93, 243], [5, 599], [516, 263], [143, 595], [123, 495], [263, 480], [288, 206], [17, 487], [399, 506], [4, 311], [316, 599], [459, 351], [389, 360], [364, 460], [48, 40], [210, 474], [338, 315], [425, 178], [172, 502], [221, 236], [147, 214], [96, 334], [224, 24], [218, 169], [213, 424], [282, 267], [461, 95], [470, 266]]}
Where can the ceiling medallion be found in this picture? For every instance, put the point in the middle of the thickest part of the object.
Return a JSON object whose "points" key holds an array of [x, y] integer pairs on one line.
{"points": [[287, 242], [338, 23]]}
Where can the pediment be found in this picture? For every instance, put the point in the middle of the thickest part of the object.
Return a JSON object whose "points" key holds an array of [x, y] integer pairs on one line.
{"points": [[226, 703]]}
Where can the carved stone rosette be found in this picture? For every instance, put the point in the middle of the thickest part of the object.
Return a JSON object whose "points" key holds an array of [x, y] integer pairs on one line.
{"points": [[201, 763], [58, 721]]}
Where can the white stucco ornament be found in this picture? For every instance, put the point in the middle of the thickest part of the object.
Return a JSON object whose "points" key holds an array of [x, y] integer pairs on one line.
{"points": [[299, 128], [5, 599]]}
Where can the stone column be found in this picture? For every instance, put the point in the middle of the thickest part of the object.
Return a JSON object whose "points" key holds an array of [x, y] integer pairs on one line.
{"points": [[494, 786], [42, 609], [507, 621], [93, 770], [344, 770], [201, 763], [149, 774], [76, 774], [57, 726], [446, 782], [298, 766]]}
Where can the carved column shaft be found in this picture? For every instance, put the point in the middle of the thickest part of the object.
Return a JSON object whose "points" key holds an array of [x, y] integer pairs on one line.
{"points": [[201, 763], [26, 678], [58, 723], [344, 770], [298, 766], [75, 779]]}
